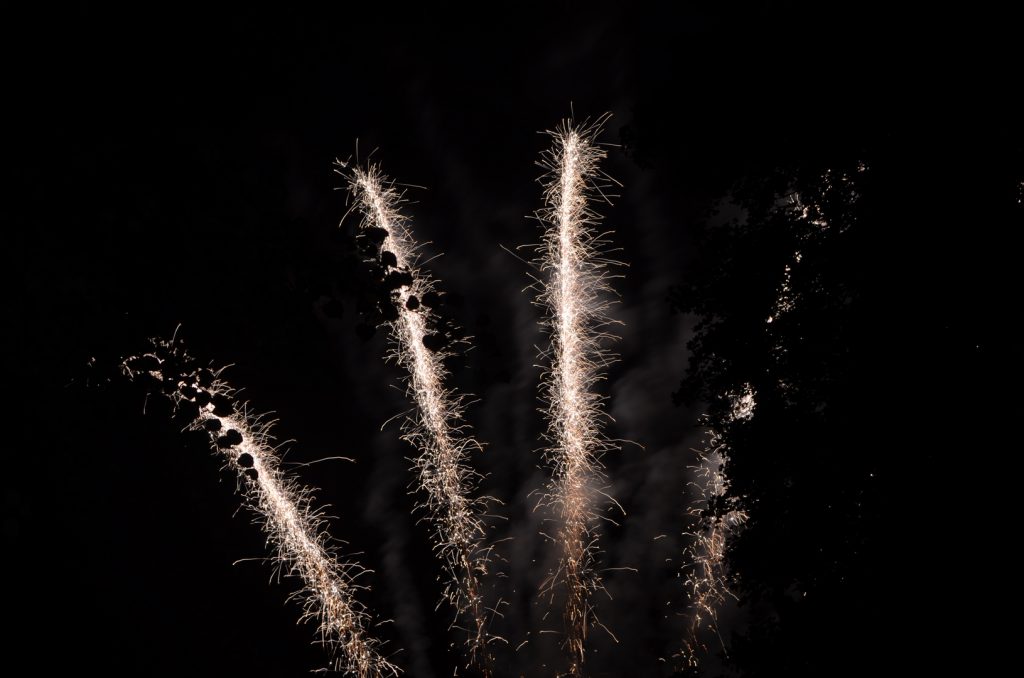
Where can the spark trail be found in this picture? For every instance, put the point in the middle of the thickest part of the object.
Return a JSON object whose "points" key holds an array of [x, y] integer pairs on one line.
{"points": [[292, 525], [437, 430], [574, 290], [705, 576]]}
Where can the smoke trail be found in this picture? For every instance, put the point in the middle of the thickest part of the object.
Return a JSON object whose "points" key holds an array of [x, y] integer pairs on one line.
{"points": [[573, 291], [437, 430], [292, 525]]}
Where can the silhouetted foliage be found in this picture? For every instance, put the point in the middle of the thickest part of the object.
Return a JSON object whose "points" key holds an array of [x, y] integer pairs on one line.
{"points": [[397, 279], [223, 405], [865, 332], [434, 342], [230, 438]]}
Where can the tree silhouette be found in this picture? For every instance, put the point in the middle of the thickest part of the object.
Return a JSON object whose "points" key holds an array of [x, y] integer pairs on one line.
{"points": [[860, 302]]}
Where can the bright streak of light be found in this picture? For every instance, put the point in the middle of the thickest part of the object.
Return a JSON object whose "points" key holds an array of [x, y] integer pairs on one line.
{"points": [[573, 288], [706, 577], [293, 526], [438, 430]]}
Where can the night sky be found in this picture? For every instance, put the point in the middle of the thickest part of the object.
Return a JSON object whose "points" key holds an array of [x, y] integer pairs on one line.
{"points": [[173, 172]]}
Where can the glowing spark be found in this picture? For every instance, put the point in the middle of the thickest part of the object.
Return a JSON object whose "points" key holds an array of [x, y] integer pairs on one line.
{"points": [[743, 404], [292, 525], [706, 578], [574, 294], [438, 430]]}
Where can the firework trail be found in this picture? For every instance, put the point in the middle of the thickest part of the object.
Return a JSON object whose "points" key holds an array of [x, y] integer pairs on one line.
{"points": [[292, 525], [437, 430], [574, 290], [705, 575]]}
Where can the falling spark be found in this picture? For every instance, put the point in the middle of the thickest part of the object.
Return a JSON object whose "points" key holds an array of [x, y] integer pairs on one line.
{"points": [[293, 526], [574, 292], [438, 430], [706, 577], [719, 517]]}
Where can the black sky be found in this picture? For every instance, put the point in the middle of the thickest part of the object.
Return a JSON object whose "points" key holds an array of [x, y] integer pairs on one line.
{"points": [[176, 169]]}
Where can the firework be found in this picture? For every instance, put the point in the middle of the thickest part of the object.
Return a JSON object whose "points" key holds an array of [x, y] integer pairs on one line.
{"points": [[704, 574], [573, 289], [284, 506], [437, 430]]}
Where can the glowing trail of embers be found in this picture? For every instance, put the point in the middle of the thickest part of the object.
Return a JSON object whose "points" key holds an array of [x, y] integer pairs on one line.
{"points": [[437, 430], [285, 508], [573, 288], [705, 575]]}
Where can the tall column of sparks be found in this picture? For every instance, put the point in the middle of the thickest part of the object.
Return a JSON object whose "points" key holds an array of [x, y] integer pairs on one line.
{"points": [[574, 291], [284, 506], [437, 430], [705, 576]]}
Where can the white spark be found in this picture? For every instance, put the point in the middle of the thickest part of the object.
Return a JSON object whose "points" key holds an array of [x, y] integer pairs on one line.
{"points": [[742, 404], [706, 578], [438, 430], [574, 290], [285, 508]]}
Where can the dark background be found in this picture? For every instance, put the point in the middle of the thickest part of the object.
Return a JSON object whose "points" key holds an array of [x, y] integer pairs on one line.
{"points": [[175, 169]]}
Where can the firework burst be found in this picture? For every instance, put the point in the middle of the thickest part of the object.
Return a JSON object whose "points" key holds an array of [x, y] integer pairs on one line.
{"points": [[438, 429], [574, 291], [573, 287], [285, 508]]}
